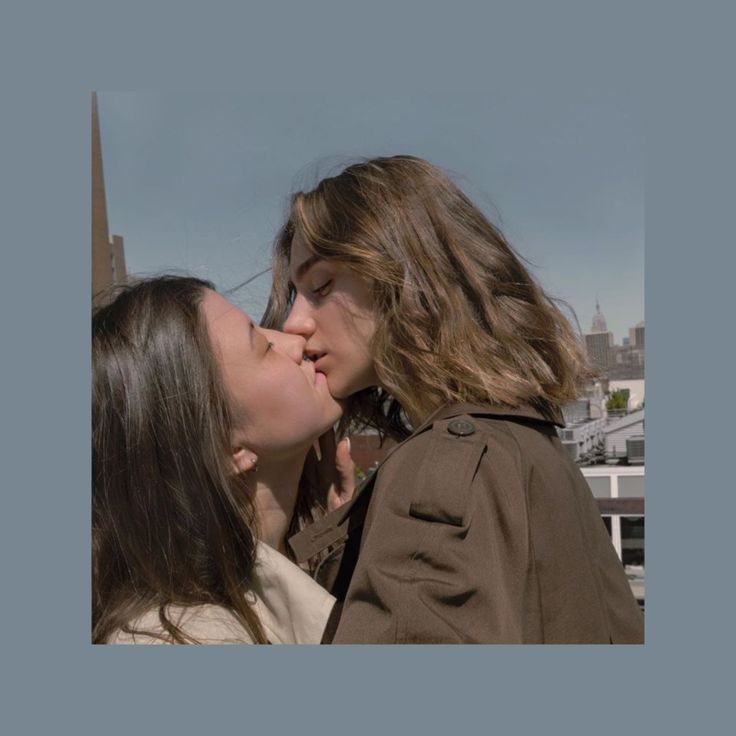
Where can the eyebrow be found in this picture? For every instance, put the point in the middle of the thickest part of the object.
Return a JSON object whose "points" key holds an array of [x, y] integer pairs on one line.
{"points": [[305, 266]]}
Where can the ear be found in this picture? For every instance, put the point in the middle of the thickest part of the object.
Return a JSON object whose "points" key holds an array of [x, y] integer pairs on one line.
{"points": [[244, 460]]}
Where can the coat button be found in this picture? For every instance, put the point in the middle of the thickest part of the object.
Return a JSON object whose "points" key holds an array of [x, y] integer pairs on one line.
{"points": [[460, 428]]}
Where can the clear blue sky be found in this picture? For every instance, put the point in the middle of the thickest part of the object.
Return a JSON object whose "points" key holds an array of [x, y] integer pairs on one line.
{"points": [[199, 182]]}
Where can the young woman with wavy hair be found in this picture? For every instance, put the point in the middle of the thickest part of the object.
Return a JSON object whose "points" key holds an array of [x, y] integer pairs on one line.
{"points": [[201, 423], [422, 318]]}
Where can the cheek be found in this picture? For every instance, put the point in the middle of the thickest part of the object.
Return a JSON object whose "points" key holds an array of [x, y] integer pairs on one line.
{"points": [[354, 372], [285, 417], [348, 328]]}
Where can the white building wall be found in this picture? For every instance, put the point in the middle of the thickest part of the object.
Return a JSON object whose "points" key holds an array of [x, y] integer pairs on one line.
{"points": [[636, 391], [616, 441]]}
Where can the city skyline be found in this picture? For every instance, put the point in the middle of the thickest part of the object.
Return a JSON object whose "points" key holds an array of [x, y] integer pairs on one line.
{"points": [[198, 183]]}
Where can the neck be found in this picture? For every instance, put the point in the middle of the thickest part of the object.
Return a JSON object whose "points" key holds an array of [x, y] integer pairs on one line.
{"points": [[276, 487]]}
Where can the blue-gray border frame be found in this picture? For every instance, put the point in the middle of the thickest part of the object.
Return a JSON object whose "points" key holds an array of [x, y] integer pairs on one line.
{"points": [[52, 679]]}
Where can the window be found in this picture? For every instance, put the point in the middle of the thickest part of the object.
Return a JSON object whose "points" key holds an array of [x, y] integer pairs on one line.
{"points": [[632, 540]]}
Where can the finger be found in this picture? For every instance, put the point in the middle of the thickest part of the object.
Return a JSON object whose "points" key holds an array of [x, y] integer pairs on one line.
{"points": [[345, 468]]}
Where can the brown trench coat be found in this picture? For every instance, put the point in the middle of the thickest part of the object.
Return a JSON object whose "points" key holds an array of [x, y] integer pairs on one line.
{"points": [[476, 529]]}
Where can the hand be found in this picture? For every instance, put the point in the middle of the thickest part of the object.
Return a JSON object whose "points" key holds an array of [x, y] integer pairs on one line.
{"points": [[336, 470]]}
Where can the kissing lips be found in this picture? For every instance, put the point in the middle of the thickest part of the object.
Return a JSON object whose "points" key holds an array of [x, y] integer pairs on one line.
{"points": [[315, 358]]}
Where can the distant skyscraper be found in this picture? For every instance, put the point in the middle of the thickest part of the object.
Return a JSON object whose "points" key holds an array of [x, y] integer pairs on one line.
{"points": [[627, 361], [599, 343], [599, 321], [636, 336], [108, 258], [599, 347]]}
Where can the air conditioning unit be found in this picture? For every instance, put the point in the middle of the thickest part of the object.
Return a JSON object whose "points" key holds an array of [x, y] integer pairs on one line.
{"points": [[635, 450]]}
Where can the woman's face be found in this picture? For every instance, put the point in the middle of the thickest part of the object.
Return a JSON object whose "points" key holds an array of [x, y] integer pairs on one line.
{"points": [[333, 312], [280, 403]]}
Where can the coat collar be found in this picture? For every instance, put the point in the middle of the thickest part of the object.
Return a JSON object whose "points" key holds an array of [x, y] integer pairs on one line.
{"points": [[292, 608], [523, 412]]}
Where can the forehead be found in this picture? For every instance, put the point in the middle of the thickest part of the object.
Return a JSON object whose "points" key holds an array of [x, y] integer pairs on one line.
{"points": [[299, 252], [220, 315], [301, 258]]}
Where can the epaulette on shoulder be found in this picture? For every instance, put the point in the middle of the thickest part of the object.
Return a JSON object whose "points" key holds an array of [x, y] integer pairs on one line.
{"points": [[454, 448]]}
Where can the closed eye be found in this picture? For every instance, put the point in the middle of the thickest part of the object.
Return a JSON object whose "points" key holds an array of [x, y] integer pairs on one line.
{"points": [[269, 344], [323, 290]]}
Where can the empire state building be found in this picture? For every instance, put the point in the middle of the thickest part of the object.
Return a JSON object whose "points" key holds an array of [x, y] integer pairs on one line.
{"points": [[599, 343]]}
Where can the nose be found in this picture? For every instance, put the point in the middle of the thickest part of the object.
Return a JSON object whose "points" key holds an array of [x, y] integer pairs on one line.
{"points": [[291, 345], [300, 321]]}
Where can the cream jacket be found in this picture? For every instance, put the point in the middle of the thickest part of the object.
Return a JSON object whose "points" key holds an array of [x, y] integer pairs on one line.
{"points": [[292, 608]]}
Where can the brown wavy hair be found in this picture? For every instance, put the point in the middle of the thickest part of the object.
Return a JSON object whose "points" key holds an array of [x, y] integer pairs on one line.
{"points": [[171, 524], [459, 317]]}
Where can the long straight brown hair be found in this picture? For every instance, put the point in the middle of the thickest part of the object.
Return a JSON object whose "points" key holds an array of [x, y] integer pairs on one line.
{"points": [[171, 524], [459, 317]]}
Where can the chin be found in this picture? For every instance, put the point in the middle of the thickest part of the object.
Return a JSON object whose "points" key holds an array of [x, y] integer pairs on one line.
{"points": [[337, 391], [344, 389], [335, 417]]}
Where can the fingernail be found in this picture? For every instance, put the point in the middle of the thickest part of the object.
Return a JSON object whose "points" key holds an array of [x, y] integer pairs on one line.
{"points": [[347, 439]]}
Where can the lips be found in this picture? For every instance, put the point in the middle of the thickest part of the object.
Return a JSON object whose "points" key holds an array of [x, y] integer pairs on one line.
{"points": [[318, 376], [319, 371], [315, 359]]}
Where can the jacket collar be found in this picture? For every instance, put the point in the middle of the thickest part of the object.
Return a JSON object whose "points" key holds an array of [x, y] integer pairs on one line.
{"points": [[292, 608], [333, 528], [523, 412]]}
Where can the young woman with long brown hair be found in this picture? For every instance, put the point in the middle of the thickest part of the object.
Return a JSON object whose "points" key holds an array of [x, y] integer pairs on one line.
{"points": [[477, 527], [201, 423]]}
